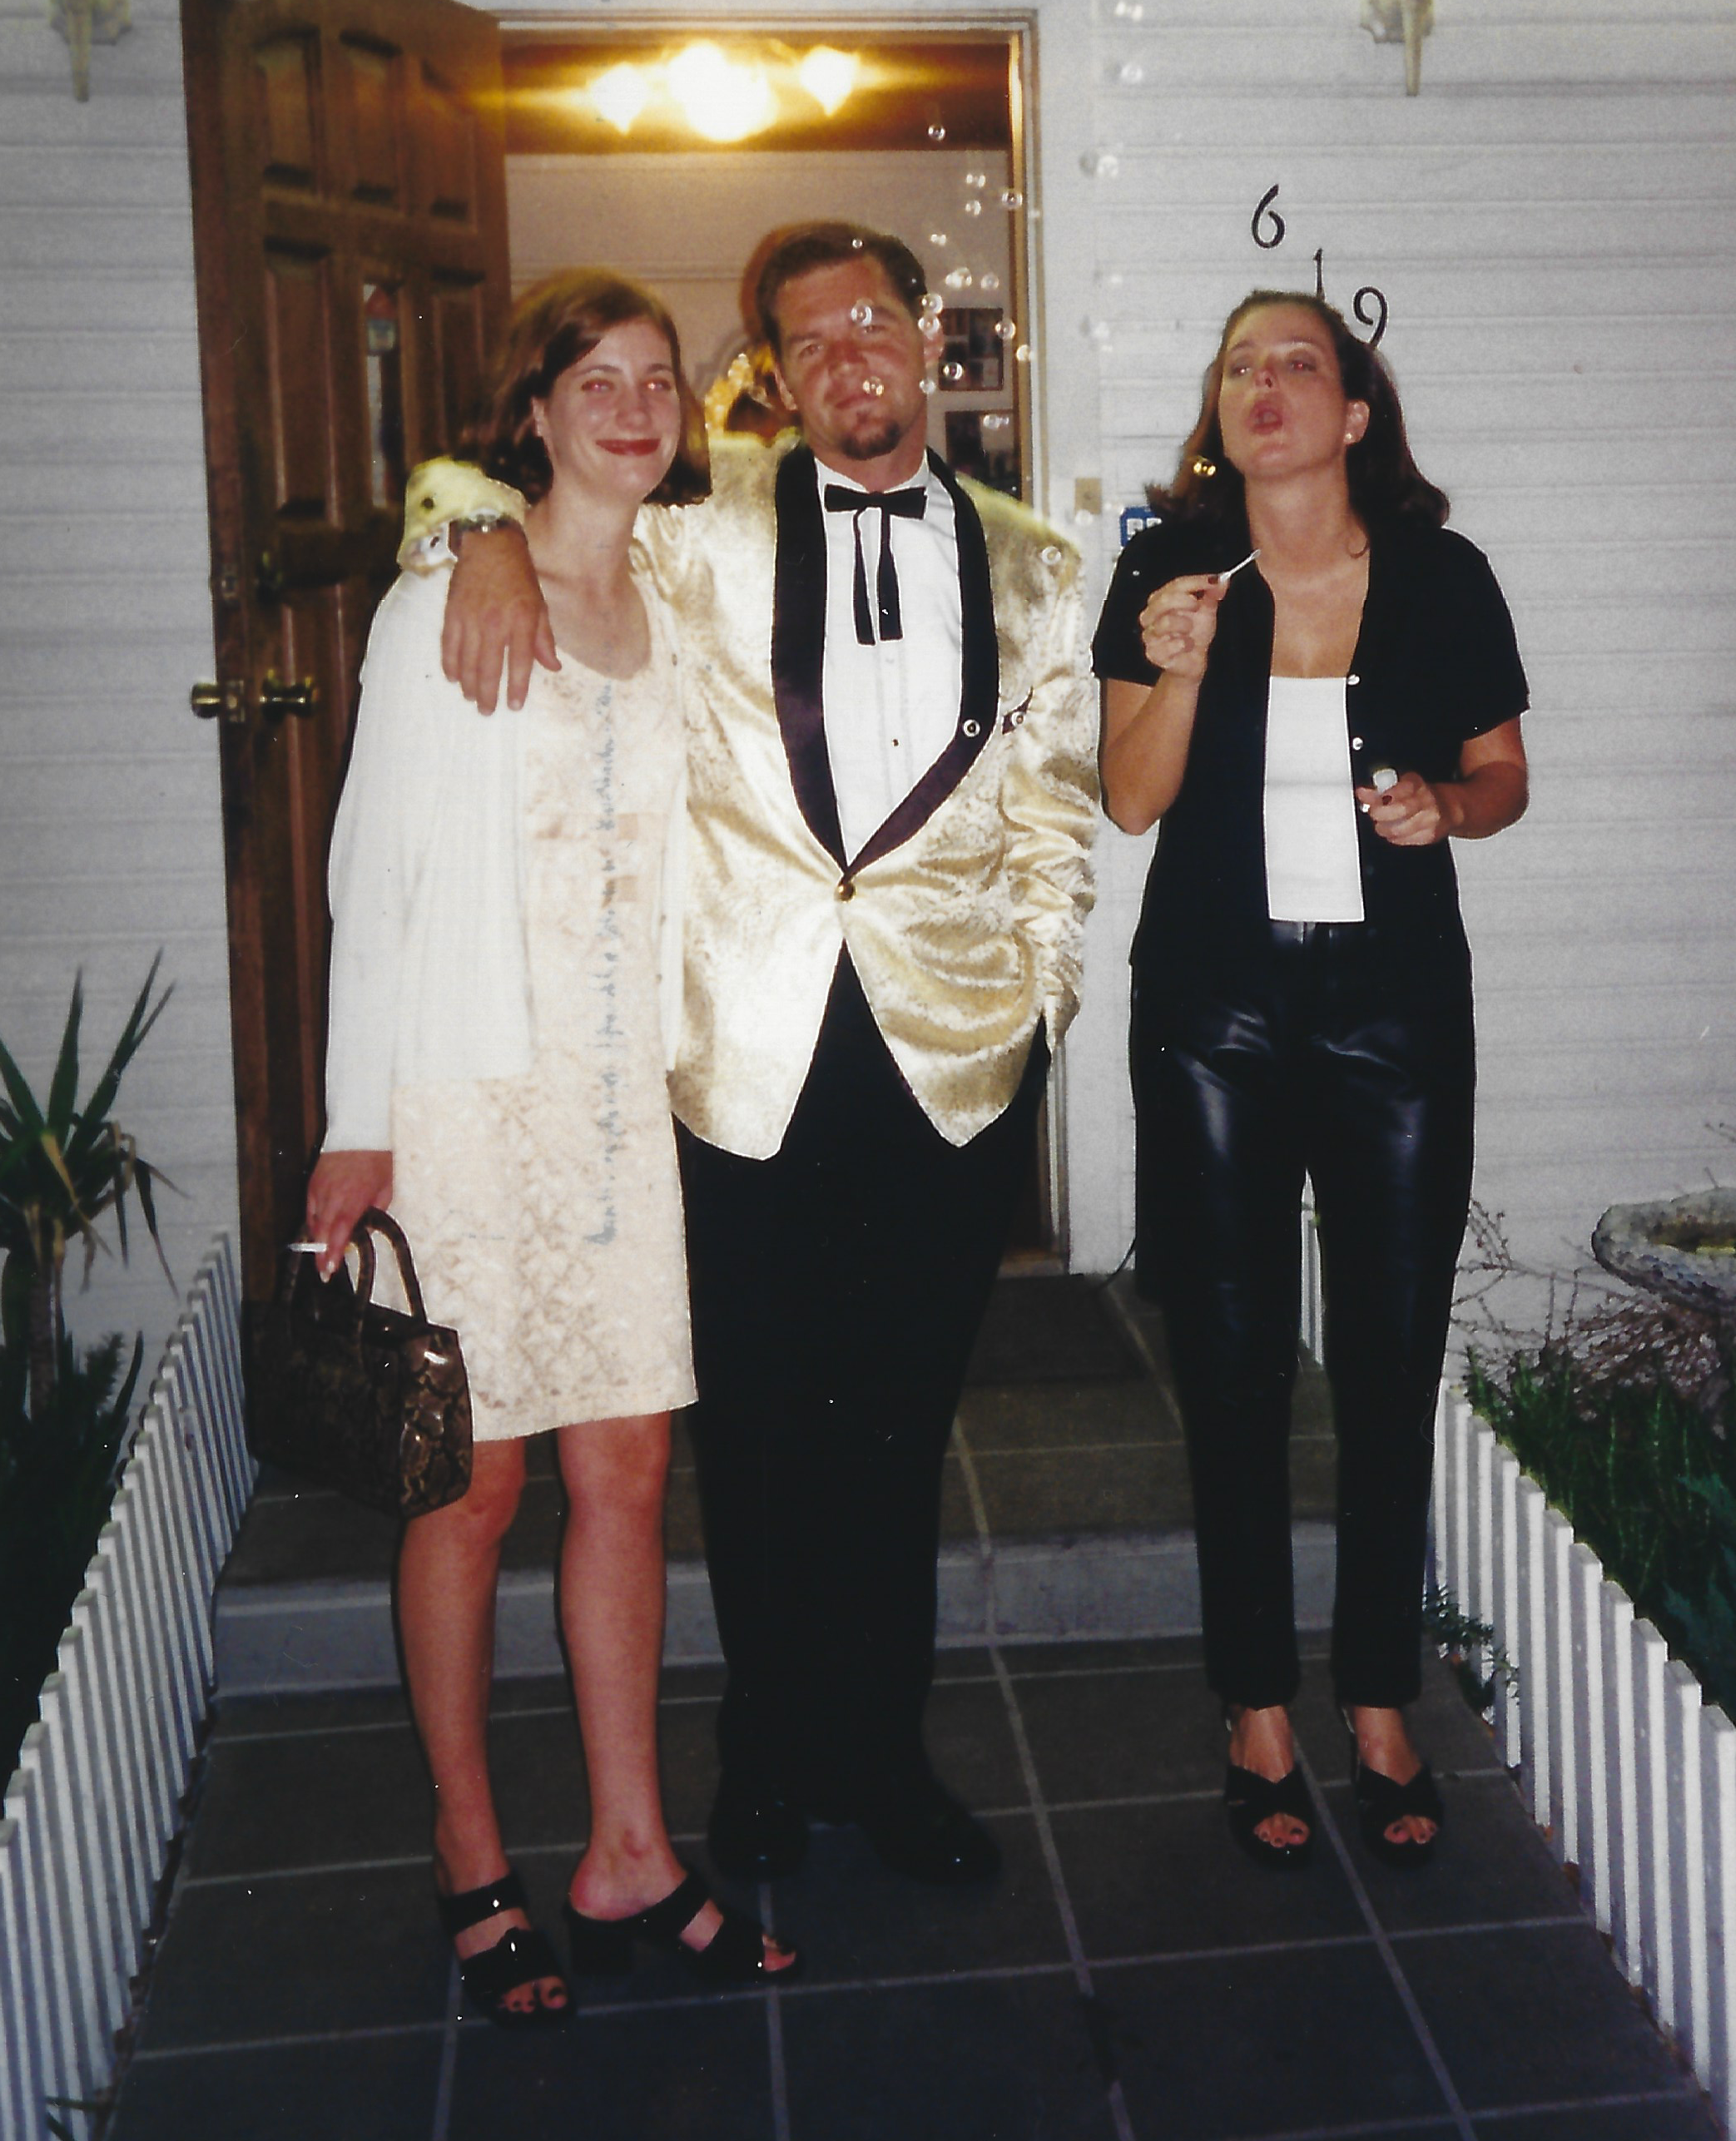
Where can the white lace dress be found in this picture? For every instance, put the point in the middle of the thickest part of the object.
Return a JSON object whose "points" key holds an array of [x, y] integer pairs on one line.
{"points": [[545, 1209]]}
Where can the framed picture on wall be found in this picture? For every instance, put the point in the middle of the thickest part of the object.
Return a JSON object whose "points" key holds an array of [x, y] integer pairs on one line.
{"points": [[984, 442], [972, 355]]}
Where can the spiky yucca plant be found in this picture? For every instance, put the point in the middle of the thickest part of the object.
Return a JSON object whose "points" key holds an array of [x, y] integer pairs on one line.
{"points": [[62, 1165]]}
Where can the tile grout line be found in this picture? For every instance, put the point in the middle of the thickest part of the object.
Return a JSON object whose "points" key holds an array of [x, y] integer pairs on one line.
{"points": [[442, 2125], [1063, 1902], [1154, 1666], [1033, 1790], [774, 2032], [1137, 1339], [1389, 1955], [325, 1868]]}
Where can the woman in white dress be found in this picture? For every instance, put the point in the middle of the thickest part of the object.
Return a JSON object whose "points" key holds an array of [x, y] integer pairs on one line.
{"points": [[495, 1070]]}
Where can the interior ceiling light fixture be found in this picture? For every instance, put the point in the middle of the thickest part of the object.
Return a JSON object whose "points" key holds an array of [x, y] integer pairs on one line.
{"points": [[828, 76], [620, 96], [722, 99]]}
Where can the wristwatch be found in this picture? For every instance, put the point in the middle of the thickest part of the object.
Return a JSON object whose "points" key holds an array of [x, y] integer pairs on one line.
{"points": [[482, 522]]}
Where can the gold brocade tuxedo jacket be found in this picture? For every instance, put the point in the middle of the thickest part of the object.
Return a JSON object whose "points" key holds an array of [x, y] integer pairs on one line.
{"points": [[964, 913]]}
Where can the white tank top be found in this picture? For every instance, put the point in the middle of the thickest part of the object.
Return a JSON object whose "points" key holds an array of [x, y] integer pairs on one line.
{"points": [[1312, 874]]}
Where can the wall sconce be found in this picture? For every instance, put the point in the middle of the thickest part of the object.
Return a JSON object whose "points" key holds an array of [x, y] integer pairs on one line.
{"points": [[722, 99], [828, 76], [81, 22], [1409, 22]]}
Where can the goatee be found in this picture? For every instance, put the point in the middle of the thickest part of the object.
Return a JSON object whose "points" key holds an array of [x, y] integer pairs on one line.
{"points": [[872, 445]]}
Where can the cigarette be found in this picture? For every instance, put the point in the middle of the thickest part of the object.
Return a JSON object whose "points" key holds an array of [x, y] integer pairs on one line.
{"points": [[307, 1248], [1383, 777], [1220, 577]]}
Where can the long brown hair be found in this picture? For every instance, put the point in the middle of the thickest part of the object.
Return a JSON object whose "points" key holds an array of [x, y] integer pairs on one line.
{"points": [[553, 325], [1385, 482]]}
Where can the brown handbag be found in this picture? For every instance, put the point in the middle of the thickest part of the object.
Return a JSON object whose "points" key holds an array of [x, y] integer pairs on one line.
{"points": [[356, 1395]]}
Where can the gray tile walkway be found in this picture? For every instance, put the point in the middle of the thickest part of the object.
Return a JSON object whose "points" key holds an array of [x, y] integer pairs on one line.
{"points": [[1130, 1977]]}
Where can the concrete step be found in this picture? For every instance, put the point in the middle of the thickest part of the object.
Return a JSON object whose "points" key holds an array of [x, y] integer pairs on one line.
{"points": [[1065, 1514]]}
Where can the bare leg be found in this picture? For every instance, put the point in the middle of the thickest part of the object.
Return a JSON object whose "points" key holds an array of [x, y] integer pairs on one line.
{"points": [[1262, 1740], [448, 1566], [1384, 1744], [612, 1614]]}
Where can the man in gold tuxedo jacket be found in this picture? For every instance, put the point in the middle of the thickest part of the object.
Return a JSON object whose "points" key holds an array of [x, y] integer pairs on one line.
{"points": [[880, 952]]}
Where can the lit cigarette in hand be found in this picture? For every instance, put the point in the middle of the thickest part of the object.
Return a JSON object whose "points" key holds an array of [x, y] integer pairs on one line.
{"points": [[1220, 578]]}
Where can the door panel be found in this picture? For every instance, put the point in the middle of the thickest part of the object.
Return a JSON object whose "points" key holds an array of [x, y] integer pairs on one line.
{"points": [[350, 230]]}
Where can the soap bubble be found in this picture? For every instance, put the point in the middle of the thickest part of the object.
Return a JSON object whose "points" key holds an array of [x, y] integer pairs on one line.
{"points": [[1023, 354], [937, 133], [861, 312], [856, 244], [1129, 11], [1006, 329], [997, 419], [1130, 72], [929, 326], [976, 180], [957, 279], [1100, 163], [989, 282], [875, 387], [1012, 198], [973, 207], [953, 374], [937, 239], [1095, 330], [926, 383], [932, 302], [1051, 553]]}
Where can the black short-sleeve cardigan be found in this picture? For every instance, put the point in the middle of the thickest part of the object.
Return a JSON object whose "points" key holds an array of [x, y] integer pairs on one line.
{"points": [[1436, 664]]}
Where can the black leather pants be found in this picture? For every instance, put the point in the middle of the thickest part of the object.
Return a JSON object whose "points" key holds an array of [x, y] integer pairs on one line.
{"points": [[1342, 1058]]}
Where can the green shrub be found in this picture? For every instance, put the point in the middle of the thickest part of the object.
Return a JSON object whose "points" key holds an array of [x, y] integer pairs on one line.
{"points": [[1622, 1410], [57, 1480], [63, 1412]]}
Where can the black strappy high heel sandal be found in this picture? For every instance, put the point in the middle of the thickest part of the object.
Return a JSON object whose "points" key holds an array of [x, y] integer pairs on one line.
{"points": [[519, 1957], [734, 1954], [1250, 1799], [1382, 1801]]}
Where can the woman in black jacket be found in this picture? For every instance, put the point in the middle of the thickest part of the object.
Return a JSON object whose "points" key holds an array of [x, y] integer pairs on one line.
{"points": [[1311, 731]]}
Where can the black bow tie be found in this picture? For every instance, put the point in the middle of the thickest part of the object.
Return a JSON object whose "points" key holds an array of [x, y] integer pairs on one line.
{"points": [[909, 504]]}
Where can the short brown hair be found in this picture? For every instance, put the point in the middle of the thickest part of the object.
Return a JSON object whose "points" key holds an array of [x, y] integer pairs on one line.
{"points": [[805, 247], [553, 325]]}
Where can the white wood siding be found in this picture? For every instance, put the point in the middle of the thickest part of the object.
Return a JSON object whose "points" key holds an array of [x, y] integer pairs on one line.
{"points": [[110, 836], [1551, 223]]}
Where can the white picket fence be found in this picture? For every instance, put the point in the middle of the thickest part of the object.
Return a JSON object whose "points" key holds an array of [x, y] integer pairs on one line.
{"points": [[1626, 1766], [94, 1804]]}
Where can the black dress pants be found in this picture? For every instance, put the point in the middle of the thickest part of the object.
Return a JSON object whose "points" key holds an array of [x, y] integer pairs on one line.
{"points": [[1341, 1057], [837, 1289]]}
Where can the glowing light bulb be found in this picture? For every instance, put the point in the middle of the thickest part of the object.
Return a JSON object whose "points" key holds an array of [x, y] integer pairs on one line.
{"points": [[619, 97], [722, 99], [828, 76]]}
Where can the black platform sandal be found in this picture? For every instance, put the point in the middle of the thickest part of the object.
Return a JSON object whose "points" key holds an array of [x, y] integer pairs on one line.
{"points": [[1380, 1802], [734, 1954], [1250, 1799], [518, 1958]]}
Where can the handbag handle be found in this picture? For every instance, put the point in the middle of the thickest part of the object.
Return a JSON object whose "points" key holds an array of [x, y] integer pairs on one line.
{"points": [[372, 1221]]}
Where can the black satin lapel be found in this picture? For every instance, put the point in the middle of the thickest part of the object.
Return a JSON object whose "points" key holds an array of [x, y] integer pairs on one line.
{"points": [[798, 645], [979, 695]]}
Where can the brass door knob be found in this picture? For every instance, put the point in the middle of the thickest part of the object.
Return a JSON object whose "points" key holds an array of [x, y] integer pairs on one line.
{"points": [[277, 698], [209, 700]]}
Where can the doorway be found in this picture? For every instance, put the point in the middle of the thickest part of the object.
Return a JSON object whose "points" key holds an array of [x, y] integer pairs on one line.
{"points": [[358, 200]]}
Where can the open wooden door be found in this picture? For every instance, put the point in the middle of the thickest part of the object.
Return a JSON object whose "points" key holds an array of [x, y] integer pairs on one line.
{"points": [[349, 232]]}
